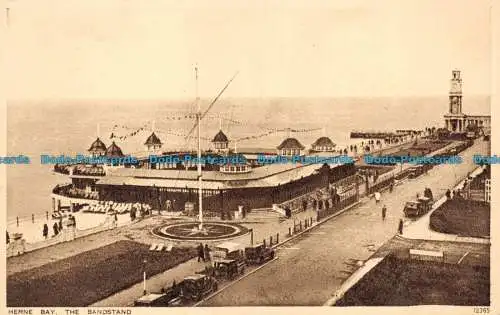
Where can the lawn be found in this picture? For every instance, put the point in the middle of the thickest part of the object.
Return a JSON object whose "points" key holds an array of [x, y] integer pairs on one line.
{"points": [[399, 282], [422, 148], [91, 276], [462, 217]]}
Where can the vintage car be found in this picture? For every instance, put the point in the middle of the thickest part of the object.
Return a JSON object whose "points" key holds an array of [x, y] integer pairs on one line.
{"points": [[426, 203], [168, 298], [196, 287], [416, 171], [229, 268], [228, 250], [428, 194], [416, 208], [258, 254]]}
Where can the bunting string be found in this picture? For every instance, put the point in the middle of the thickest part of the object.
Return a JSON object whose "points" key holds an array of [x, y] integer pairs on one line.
{"points": [[133, 133], [117, 130]]}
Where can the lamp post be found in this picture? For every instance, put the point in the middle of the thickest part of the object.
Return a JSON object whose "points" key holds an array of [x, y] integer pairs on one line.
{"points": [[144, 277]]}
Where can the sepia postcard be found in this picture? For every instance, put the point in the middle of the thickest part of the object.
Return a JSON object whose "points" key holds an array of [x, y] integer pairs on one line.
{"points": [[226, 155]]}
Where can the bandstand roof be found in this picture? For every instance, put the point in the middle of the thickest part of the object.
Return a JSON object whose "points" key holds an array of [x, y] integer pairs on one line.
{"points": [[264, 176], [220, 137], [291, 143], [323, 142], [97, 145], [114, 150], [153, 140]]}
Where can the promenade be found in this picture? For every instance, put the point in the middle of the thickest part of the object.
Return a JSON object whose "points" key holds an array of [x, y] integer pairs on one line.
{"points": [[90, 223], [263, 229], [314, 266]]}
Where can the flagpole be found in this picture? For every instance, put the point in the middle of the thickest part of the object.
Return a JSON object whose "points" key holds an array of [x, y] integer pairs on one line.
{"points": [[198, 115]]}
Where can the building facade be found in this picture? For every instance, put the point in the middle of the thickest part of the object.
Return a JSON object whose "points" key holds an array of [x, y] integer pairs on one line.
{"points": [[455, 120]]}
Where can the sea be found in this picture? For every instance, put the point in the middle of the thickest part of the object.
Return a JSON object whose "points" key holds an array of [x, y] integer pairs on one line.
{"points": [[68, 127]]}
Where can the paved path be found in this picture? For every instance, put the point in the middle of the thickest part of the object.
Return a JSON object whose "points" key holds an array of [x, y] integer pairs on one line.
{"points": [[312, 267]]}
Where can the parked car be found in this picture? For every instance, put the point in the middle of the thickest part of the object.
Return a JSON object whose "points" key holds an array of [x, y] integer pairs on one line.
{"points": [[258, 254], [229, 268], [416, 171], [416, 208], [169, 298], [228, 250], [191, 289], [196, 287]]}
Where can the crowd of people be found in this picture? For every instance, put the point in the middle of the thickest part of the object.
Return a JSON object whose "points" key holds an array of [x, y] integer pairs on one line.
{"points": [[57, 228], [119, 207]]}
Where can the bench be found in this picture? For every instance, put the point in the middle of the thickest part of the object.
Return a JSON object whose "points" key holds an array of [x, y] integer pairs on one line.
{"points": [[426, 255]]}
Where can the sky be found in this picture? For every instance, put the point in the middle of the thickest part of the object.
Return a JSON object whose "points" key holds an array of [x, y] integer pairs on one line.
{"points": [[134, 49]]}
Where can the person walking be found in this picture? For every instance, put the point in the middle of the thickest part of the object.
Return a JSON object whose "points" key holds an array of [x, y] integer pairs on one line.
{"points": [[115, 220], [377, 197], [201, 254], [384, 211], [71, 226], [45, 231], [55, 227], [400, 227], [448, 194], [207, 252]]}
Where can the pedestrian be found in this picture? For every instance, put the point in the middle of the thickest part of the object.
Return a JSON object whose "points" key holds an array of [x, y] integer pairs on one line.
{"points": [[384, 211], [400, 227], [60, 224], [304, 205], [448, 194], [377, 197], [71, 227], [115, 221], [391, 187], [207, 252], [418, 195], [45, 231], [55, 227], [201, 254], [8, 237]]}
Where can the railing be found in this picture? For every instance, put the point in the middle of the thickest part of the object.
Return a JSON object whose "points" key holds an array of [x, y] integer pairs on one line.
{"points": [[79, 169], [89, 170], [335, 207], [62, 169], [20, 247], [70, 191]]}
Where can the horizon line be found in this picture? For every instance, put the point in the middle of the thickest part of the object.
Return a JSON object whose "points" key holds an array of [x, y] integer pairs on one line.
{"points": [[178, 98]]}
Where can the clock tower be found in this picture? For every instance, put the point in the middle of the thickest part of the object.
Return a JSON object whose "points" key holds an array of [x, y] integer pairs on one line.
{"points": [[456, 93]]}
